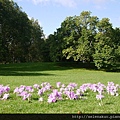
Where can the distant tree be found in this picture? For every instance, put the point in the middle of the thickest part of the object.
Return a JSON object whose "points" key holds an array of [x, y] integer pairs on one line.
{"points": [[36, 42], [104, 45], [116, 39]]}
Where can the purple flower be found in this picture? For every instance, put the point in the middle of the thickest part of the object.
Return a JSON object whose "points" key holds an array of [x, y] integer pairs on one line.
{"points": [[63, 86], [36, 86], [51, 99], [23, 93], [71, 95], [21, 89], [58, 84], [72, 85], [16, 90], [55, 92], [6, 89], [47, 87], [1, 90], [99, 97], [44, 84], [40, 92], [84, 87], [112, 88], [100, 90], [27, 96], [23, 86], [29, 89], [94, 87], [54, 96]]}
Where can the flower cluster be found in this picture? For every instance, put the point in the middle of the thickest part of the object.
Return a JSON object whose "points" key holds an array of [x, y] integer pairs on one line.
{"points": [[24, 91], [4, 92], [54, 96], [112, 88], [61, 91]]}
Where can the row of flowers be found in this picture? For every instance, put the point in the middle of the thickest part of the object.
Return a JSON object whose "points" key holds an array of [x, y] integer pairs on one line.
{"points": [[61, 91]]}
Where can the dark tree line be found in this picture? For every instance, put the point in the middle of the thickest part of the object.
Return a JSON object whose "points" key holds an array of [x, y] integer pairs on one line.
{"points": [[82, 38], [21, 39]]}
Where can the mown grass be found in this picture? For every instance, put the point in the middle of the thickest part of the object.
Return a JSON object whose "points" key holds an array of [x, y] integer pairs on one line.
{"points": [[31, 73]]}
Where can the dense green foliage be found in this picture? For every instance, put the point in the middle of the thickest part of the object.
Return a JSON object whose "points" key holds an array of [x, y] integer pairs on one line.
{"points": [[85, 38], [82, 38], [21, 39]]}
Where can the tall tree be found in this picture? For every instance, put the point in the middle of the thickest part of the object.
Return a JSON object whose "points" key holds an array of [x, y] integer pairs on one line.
{"points": [[17, 34], [104, 45], [79, 42]]}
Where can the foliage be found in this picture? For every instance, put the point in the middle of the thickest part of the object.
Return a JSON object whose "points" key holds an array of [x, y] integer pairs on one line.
{"points": [[104, 49], [82, 38], [19, 36], [85, 38]]}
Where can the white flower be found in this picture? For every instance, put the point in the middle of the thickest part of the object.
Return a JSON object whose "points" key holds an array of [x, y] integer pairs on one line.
{"points": [[40, 99], [5, 96]]}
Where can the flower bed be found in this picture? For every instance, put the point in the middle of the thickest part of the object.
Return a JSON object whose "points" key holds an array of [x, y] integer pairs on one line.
{"points": [[61, 91]]}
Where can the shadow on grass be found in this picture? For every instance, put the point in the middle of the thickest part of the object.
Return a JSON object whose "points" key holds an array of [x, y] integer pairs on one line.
{"points": [[109, 103], [73, 65], [15, 73], [36, 69], [115, 68], [26, 69]]}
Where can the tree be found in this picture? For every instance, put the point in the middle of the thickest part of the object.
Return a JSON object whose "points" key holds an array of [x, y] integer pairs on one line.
{"points": [[80, 37], [36, 42], [19, 35], [104, 45]]}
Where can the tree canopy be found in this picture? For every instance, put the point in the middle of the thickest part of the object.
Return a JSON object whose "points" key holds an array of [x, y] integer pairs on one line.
{"points": [[21, 39], [83, 38]]}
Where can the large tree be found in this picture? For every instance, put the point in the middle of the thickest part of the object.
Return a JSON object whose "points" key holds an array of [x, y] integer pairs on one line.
{"points": [[19, 34], [104, 44]]}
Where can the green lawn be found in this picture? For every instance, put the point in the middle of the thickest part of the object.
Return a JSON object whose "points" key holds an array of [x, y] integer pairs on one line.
{"points": [[31, 73]]}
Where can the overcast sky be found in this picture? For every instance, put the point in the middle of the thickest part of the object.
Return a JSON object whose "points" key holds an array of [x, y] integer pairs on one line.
{"points": [[51, 13]]}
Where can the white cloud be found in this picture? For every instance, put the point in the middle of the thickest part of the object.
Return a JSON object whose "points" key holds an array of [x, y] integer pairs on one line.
{"points": [[66, 3], [97, 1], [99, 4], [69, 3], [40, 1]]}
